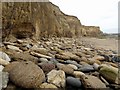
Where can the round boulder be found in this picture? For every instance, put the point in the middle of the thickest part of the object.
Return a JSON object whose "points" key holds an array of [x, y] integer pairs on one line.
{"points": [[25, 74]]}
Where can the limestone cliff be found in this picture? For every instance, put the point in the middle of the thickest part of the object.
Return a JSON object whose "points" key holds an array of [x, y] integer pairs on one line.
{"points": [[41, 19]]}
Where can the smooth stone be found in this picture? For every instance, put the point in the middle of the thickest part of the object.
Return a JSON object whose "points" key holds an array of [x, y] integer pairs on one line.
{"points": [[14, 48], [73, 66], [4, 78], [110, 73], [56, 77], [86, 68], [25, 74], [40, 55], [54, 61], [43, 60], [65, 68], [115, 59], [95, 65], [74, 63], [98, 57], [4, 56], [1, 68], [47, 67], [93, 82], [4, 62], [78, 74], [47, 85], [73, 81]]}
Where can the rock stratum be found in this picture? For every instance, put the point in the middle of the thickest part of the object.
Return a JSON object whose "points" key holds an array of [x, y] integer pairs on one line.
{"points": [[41, 19]]}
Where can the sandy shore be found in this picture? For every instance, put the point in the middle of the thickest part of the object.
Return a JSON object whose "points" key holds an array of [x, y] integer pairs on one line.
{"points": [[107, 44]]}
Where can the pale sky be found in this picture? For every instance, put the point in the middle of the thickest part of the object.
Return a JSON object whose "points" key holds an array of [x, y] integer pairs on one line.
{"points": [[103, 13]]}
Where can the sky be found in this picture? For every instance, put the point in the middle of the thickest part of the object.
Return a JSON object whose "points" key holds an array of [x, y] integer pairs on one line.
{"points": [[103, 13]]}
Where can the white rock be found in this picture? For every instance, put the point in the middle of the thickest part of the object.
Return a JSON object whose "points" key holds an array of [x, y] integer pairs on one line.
{"points": [[3, 62], [14, 48], [1, 68], [40, 55], [4, 56], [73, 66], [4, 78], [57, 78]]}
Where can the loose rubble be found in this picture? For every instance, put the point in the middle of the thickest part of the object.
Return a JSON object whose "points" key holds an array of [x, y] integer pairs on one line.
{"points": [[64, 63]]}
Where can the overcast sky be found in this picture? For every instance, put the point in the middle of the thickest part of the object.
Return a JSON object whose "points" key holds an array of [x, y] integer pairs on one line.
{"points": [[103, 13]]}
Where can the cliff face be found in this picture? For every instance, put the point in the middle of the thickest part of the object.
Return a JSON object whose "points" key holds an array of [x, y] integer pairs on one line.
{"points": [[41, 19]]}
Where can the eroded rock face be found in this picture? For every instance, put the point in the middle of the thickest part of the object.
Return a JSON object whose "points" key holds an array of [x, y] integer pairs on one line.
{"points": [[23, 19]]}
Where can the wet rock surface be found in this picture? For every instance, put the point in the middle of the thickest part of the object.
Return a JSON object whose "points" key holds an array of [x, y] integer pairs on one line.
{"points": [[62, 63]]}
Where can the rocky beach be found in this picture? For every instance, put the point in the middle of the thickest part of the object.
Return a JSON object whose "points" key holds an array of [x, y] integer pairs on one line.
{"points": [[42, 48]]}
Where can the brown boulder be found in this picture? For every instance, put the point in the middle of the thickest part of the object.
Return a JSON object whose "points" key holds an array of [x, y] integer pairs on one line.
{"points": [[25, 74]]}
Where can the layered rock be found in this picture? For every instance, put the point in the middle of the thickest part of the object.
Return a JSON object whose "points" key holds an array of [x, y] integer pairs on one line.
{"points": [[41, 19]]}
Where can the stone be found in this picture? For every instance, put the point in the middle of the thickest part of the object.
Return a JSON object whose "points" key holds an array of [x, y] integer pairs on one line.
{"points": [[4, 78], [65, 68], [40, 55], [4, 56], [24, 56], [75, 82], [110, 73], [100, 58], [86, 68], [47, 85], [74, 63], [95, 65], [73, 66], [54, 61], [14, 48], [40, 50], [43, 60], [47, 67], [1, 68], [78, 74], [4, 62], [56, 77], [92, 82], [25, 74]]}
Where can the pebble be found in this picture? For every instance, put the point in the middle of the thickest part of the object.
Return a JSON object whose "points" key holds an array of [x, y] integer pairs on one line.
{"points": [[73, 66], [57, 77], [78, 74], [95, 65], [86, 68], [47, 85], [43, 60], [14, 48], [74, 63], [65, 68], [47, 67], [73, 81]]}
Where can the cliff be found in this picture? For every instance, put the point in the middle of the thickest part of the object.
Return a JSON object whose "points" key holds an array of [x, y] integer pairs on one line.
{"points": [[41, 19]]}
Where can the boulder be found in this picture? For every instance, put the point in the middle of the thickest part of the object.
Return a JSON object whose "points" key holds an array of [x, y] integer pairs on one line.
{"points": [[47, 67], [56, 77], [67, 69], [75, 82], [110, 73], [92, 82], [25, 74]]}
